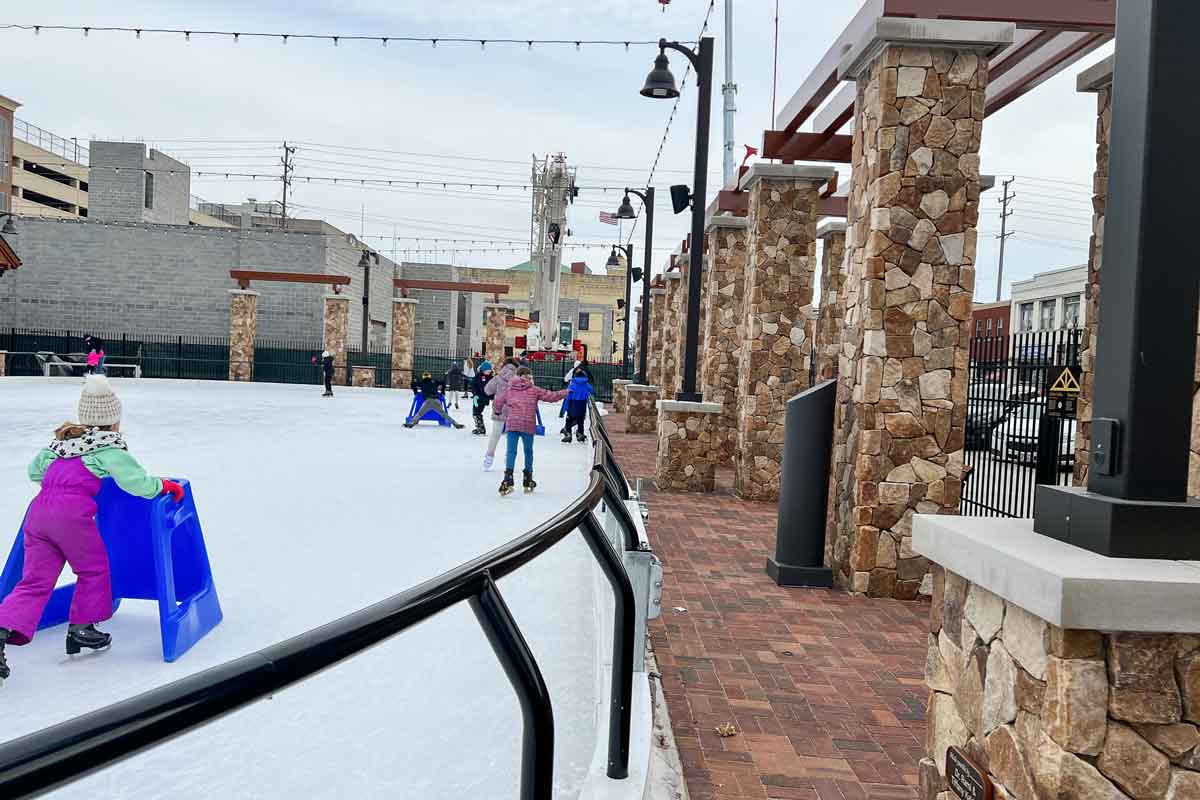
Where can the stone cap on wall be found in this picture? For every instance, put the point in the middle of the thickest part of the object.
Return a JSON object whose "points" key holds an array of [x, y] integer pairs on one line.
{"points": [[405, 300], [830, 227], [727, 221], [656, 291], [1097, 76], [797, 172], [691, 408], [505, 306], [249, 292], [1063, 584], [331, 296], [985, 38], [641, 387], [676, 275]]}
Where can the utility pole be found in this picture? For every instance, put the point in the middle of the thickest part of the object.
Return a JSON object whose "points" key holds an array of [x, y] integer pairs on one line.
{"points": [[1004, 234], [288, 167], [729, 90]]}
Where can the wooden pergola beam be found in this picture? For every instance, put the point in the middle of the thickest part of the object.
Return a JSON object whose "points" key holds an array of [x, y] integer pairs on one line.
{"points": [[244, 276], [494, 289]]}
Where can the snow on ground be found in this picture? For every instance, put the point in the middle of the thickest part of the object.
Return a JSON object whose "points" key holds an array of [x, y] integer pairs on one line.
{"points": [[313, 508]]}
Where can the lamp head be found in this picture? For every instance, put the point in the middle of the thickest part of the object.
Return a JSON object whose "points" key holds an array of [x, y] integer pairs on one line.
{"points": [[9, 229], [660, 83], [613, 261], [625, 210]]}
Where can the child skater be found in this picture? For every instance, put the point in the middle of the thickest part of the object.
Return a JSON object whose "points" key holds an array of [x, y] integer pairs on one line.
{"points": [[479, 388], [495, 389], [519, 405], [577, 405], [61, 526]]}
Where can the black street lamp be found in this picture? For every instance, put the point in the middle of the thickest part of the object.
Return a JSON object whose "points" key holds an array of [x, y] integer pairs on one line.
{"points": [[631, 275], [660, 83], [626, 212], [9, 229]]}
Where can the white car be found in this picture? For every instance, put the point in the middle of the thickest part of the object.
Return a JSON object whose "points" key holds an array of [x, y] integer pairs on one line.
{"points": [[1016, 439]]}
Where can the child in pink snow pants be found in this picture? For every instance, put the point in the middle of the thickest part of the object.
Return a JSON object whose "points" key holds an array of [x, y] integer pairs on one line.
{"points": [[60, 527]]}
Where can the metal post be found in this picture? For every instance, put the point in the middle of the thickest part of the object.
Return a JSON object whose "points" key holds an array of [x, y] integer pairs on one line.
{"points": [[1136, 504], [628, 248], [729, 90], [620, 705], [510, 647], [1004, 234], [703, 64]]}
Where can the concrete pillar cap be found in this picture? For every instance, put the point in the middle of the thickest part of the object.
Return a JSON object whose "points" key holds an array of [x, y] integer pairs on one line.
{"points": [[677, 406], [641, 387], [1097, 76], [984, 38], [405, 300], [657, 291], [332, 296], [798, 172], [247, 292], [727, 221], [674, 275], [830, 227]]}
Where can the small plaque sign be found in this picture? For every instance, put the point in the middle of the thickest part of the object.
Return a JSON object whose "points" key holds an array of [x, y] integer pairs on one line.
{"points": [[1062, 390], [965, 780]]}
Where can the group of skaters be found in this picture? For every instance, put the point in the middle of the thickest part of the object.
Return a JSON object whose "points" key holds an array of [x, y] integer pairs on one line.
{"points": [[512, 397]]}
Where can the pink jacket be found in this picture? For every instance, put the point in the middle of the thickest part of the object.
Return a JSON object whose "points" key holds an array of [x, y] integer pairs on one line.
{"points": [[519, 404], [93, 358]]}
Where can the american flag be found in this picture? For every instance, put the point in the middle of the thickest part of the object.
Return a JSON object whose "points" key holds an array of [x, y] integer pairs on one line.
{"points": [[608, 219]]}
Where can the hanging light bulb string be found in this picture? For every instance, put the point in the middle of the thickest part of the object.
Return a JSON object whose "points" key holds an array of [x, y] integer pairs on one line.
{"points": [[334, 38], [687, 71]]}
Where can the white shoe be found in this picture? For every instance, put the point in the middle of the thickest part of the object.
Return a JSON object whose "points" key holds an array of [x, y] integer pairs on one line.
{"points": [[487, 463]]}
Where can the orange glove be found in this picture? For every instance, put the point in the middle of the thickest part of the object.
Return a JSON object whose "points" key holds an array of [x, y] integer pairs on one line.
{"points": [[174, 489]]}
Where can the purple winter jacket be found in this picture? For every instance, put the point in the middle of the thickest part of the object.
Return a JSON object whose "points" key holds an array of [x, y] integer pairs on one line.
{"points": [[499, 384], [519, 404]]}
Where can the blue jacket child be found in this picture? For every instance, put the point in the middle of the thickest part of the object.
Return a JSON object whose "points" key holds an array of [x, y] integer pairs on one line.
{"points": [[578, 392]]}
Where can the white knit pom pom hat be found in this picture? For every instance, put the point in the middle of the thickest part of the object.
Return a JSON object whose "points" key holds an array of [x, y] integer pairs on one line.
{"points": [[98, 405]]}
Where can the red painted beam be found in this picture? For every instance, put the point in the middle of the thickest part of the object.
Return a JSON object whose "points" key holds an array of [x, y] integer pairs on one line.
{"points": [[1045, 72], [451, 286], [1071, 15], [244, 276], [807, 146]]}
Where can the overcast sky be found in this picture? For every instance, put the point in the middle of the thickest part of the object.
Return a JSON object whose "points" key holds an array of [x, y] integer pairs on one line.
{"points": [[460, 112]]}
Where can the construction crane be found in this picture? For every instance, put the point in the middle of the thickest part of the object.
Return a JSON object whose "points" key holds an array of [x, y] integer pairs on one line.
{"points": [[554, 189]]}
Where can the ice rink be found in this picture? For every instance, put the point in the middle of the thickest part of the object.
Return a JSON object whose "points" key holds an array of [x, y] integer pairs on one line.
{"points": [[313, 508]]}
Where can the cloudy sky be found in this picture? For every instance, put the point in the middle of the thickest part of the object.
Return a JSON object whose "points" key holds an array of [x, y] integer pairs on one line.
{"points": [[462, 112]]}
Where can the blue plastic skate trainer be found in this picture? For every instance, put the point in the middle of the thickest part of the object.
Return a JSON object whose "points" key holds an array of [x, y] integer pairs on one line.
{"points": [[155, 552], [430, 415]]}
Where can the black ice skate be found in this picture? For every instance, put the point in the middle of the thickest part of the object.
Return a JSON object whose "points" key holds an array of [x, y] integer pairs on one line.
{"points": [[530, 484], [506, 485], [4, 670], [566, 437], [579, 437], [81, 636], [458, 426]]}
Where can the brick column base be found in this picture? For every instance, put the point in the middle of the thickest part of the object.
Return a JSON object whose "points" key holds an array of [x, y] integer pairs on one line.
{"points": [[641, 413], [686, 460], [363, 377], [620, 400]]}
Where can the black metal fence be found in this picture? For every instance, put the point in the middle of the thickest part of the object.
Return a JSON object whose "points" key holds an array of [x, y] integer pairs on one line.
{"points": [[1012, 442], [37, 763]]}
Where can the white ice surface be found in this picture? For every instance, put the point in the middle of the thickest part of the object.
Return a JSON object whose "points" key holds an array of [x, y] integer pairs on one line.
{"points": [[313, 508]]}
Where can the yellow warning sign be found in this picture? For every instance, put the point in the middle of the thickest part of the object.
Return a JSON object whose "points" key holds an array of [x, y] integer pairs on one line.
{"points": [[1067, 382]]}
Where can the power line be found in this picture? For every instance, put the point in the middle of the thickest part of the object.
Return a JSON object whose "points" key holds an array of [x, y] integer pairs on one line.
{"points": [[334, 38]]}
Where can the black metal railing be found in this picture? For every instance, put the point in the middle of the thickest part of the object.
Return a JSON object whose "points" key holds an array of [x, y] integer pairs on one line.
{"points": [[40, 762]]}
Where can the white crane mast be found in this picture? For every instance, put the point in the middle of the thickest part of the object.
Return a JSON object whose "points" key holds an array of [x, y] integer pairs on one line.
{"points": [[553, 185]]}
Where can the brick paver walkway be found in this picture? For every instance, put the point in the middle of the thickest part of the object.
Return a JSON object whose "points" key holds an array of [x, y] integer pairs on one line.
{"points": [[826, 690]]}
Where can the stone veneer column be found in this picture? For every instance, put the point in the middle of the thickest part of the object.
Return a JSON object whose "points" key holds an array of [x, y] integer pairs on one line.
{"points": [[337, 333], [669, 375], [363, 377], [832, 314], [404, 337], [685, 449], [3, 359], [775, 343], [620, 399], [654, 356], [913, 210], [641, 413], [494, 336], [243, 327], [727, 240]]}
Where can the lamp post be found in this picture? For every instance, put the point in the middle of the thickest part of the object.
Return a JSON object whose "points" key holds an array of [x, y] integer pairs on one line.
{"points": [[9, 229], [613, 261], [660, 83], [626, 212]]}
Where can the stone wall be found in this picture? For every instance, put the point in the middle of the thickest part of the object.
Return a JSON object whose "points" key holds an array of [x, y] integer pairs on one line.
{"points": [[243, 325], [337, 330], [620, 398], [1053, 713], [654, 355], [776, 346], [901, 406], [641, 413], [727, 241], [363, 377], [828, 343], [404, 323], [672, 328], [684, 462]]}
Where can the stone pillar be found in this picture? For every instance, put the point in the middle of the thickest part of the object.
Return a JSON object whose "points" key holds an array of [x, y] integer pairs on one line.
{"points": [[669, 375], [404, 337], [727, 242], [3, 360], [363, 377], [685, 451], [337, 333], [619, 403], [910, 241], [243, 327], [641, 413], [775, 345], [831, 317], [495, 335], [654, 355]]}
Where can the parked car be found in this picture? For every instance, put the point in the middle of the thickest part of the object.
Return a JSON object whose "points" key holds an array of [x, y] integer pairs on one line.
{"points": [[1016, 438], [989, 406]]}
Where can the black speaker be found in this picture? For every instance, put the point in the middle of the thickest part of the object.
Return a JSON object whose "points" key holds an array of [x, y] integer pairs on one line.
{"points": [[681, 198]]}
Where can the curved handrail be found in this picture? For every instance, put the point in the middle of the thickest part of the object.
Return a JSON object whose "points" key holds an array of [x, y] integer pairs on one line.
{"points": [[39, 762]]}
